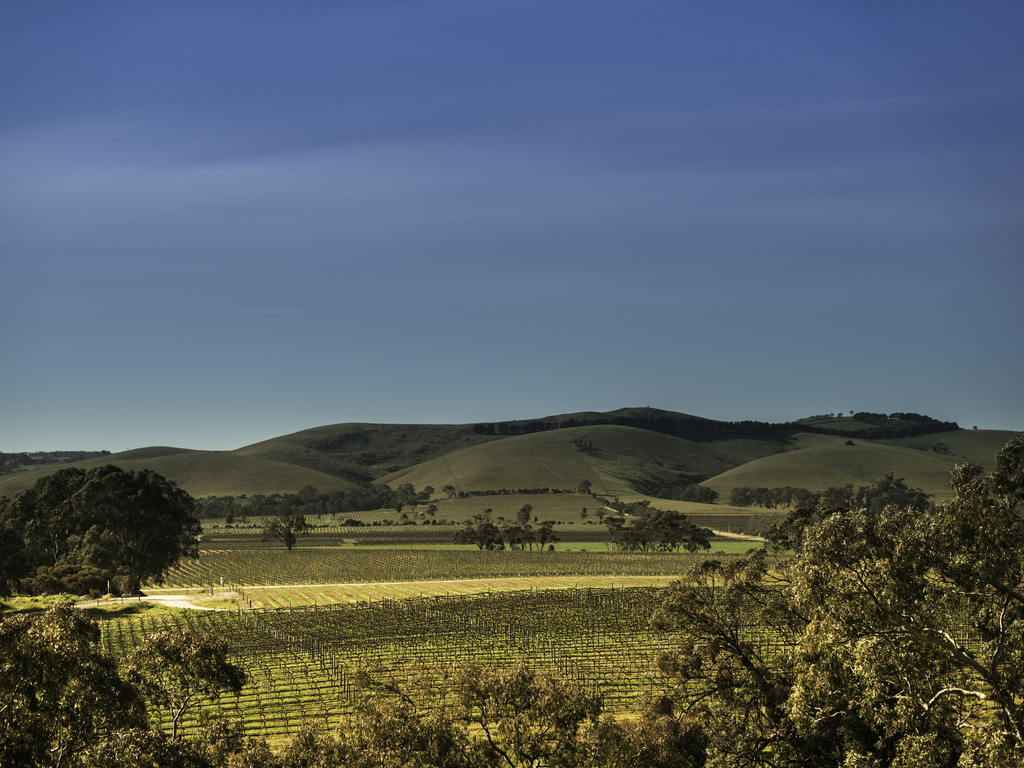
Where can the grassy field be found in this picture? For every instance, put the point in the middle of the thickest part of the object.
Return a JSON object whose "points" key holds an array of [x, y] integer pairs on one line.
{"points": [[975, 445], [381, 527], [618, 456], [833, 462]]}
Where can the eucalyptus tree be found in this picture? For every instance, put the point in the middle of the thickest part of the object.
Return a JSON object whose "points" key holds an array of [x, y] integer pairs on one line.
{"points": [[285, 526], [546, 534], [179, 670], [525, 718], [127, 526], [59, 695], [645, 529], [920, 616], [894, 636], [479, 530]]}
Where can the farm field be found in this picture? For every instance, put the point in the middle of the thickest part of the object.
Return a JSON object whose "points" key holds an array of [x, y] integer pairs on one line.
{"points": [[321, 595], [437, 530], [302, 662], [572, 510], [243, 567], [303, 623]]}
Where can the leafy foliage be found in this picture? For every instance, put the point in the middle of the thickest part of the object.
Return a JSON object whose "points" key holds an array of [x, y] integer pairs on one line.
{"points": [[479, 530], [895, 636], [655, 530], [177, 670], [285, 527], [308, 502], [888, 490], [526, 719], [58, 693], [507, 717], [78, 528], [16, 462], [735, 664]]}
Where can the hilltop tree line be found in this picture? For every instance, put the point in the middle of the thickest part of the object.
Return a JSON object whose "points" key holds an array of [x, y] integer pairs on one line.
{"points": [[511, 491], [82, 531], [888, 490], [309, 501], [900, 424], [670, 424], [692, 492], [891, 425]]}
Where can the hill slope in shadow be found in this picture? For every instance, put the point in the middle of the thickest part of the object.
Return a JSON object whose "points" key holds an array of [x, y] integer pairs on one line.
{"points": [[612, 458]]}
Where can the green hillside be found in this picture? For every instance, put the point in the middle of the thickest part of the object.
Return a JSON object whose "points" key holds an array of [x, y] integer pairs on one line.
{"points": [[976, 445], [833, 462], [365, 452], [612, 458]]}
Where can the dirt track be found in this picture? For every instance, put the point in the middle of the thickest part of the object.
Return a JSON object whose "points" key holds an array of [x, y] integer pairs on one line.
{"points": [[184, 601], [171, 601]]}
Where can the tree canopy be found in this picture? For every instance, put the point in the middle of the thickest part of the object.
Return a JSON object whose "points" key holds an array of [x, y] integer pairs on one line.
{"points": [[76, 529], [58, 693], [645, 529], [479, 530], [285, 526], [894, 636], [177, 670], [65, 704]]}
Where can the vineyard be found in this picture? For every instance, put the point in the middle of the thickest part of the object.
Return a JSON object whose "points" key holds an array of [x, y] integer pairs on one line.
{"points": [[302, 663], [457, 605], [323, 594], [338, 565]]}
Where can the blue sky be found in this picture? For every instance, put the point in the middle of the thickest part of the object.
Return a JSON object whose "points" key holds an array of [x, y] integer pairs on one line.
{"points": [[223, 222]]}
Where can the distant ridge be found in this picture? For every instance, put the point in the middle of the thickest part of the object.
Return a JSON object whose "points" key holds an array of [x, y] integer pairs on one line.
{"points": [[871, 426], [629, 451]]}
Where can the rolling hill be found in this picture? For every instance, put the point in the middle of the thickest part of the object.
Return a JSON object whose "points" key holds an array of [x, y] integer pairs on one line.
{"points": [[624, 453], [362, 453], [611, 457], [820, 466]]}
